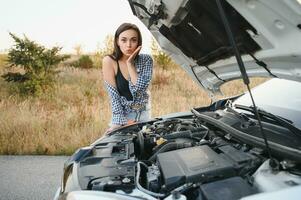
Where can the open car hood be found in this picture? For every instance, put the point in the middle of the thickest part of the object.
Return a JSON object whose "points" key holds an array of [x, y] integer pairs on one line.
{"points": [[267, 33]]}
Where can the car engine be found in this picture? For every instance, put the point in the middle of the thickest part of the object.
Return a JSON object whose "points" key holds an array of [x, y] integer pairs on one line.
{"points": [[178, 157]]}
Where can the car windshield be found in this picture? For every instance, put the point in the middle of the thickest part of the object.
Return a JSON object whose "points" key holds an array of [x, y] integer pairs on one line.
{"points": [[278, 96]]}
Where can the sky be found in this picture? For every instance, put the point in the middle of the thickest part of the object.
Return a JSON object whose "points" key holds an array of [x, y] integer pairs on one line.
{"points": [[66, 23]]}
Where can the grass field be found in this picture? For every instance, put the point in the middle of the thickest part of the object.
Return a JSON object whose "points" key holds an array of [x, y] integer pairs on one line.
{"points": [[79, 111]]}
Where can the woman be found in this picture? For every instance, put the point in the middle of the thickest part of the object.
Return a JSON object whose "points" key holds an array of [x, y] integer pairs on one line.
{"points": [[127, 74]]}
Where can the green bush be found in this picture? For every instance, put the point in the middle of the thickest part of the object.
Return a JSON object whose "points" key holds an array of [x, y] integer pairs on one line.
{"points": [[84, 62], [38, 63], [161, 59]]}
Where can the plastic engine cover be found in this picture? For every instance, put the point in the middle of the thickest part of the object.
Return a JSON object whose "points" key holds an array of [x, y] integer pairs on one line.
{"points": [[195, 164]]}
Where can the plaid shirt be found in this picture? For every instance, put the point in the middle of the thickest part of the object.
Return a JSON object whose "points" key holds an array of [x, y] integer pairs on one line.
{"points": [[120, 105]]}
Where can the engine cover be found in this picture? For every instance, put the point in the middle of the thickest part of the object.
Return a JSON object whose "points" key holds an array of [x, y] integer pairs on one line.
{"points": [[195, 164]]}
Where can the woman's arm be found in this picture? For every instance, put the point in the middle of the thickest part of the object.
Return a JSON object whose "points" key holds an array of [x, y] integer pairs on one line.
{"points": [[131, 67], [118, 117], [145, 67]]}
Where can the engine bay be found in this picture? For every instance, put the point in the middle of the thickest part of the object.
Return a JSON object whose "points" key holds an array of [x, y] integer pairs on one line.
{"points": [[179, 156]]}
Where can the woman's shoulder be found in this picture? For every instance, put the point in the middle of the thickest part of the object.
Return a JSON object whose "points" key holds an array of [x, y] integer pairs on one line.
{"points": [[108, 59], [109, 65]]}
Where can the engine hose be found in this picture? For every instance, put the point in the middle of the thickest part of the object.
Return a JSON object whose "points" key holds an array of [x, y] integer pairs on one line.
{"points": [[184, 127], [168, 147], [185, 134], [140, 186]]}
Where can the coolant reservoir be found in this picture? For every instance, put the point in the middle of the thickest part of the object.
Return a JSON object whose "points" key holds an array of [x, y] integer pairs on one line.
{"points": [[267, 180]]}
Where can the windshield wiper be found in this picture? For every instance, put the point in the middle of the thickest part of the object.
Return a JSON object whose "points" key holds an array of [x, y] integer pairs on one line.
{"points": [[245, 120], [240, 115], [280, 120]]}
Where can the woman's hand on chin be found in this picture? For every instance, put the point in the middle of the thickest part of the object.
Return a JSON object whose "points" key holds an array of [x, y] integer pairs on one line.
{"points": [[130, 60]]}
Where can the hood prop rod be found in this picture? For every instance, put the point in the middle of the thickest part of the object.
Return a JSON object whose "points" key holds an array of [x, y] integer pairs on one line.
{"points": [[273, 162]]}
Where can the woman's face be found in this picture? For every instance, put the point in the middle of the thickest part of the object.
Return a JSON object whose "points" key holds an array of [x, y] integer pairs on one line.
{"points": [[128, 42]]}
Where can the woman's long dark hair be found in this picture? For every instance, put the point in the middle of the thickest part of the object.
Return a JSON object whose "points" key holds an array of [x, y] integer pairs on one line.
{"points": [[117, 54]]}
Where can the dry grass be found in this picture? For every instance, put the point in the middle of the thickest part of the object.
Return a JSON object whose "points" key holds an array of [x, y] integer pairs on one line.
{"points": [[78, 113], [54, 124], [237, 86], [174, 91]]}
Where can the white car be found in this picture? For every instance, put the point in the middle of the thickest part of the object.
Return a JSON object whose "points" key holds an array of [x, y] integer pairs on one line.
{"points": [[236, 148]]}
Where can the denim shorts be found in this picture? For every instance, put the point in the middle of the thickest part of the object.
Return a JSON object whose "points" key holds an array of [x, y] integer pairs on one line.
{"points": [[139, 116]]}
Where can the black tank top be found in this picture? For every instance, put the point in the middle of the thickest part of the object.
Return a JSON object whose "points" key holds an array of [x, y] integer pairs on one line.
{"points": [[123, 85]]}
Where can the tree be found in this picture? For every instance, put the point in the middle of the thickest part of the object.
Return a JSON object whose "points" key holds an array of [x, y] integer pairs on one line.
{"points": [[109, 45], [38, 63], [160, 57], [102, 52]]}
